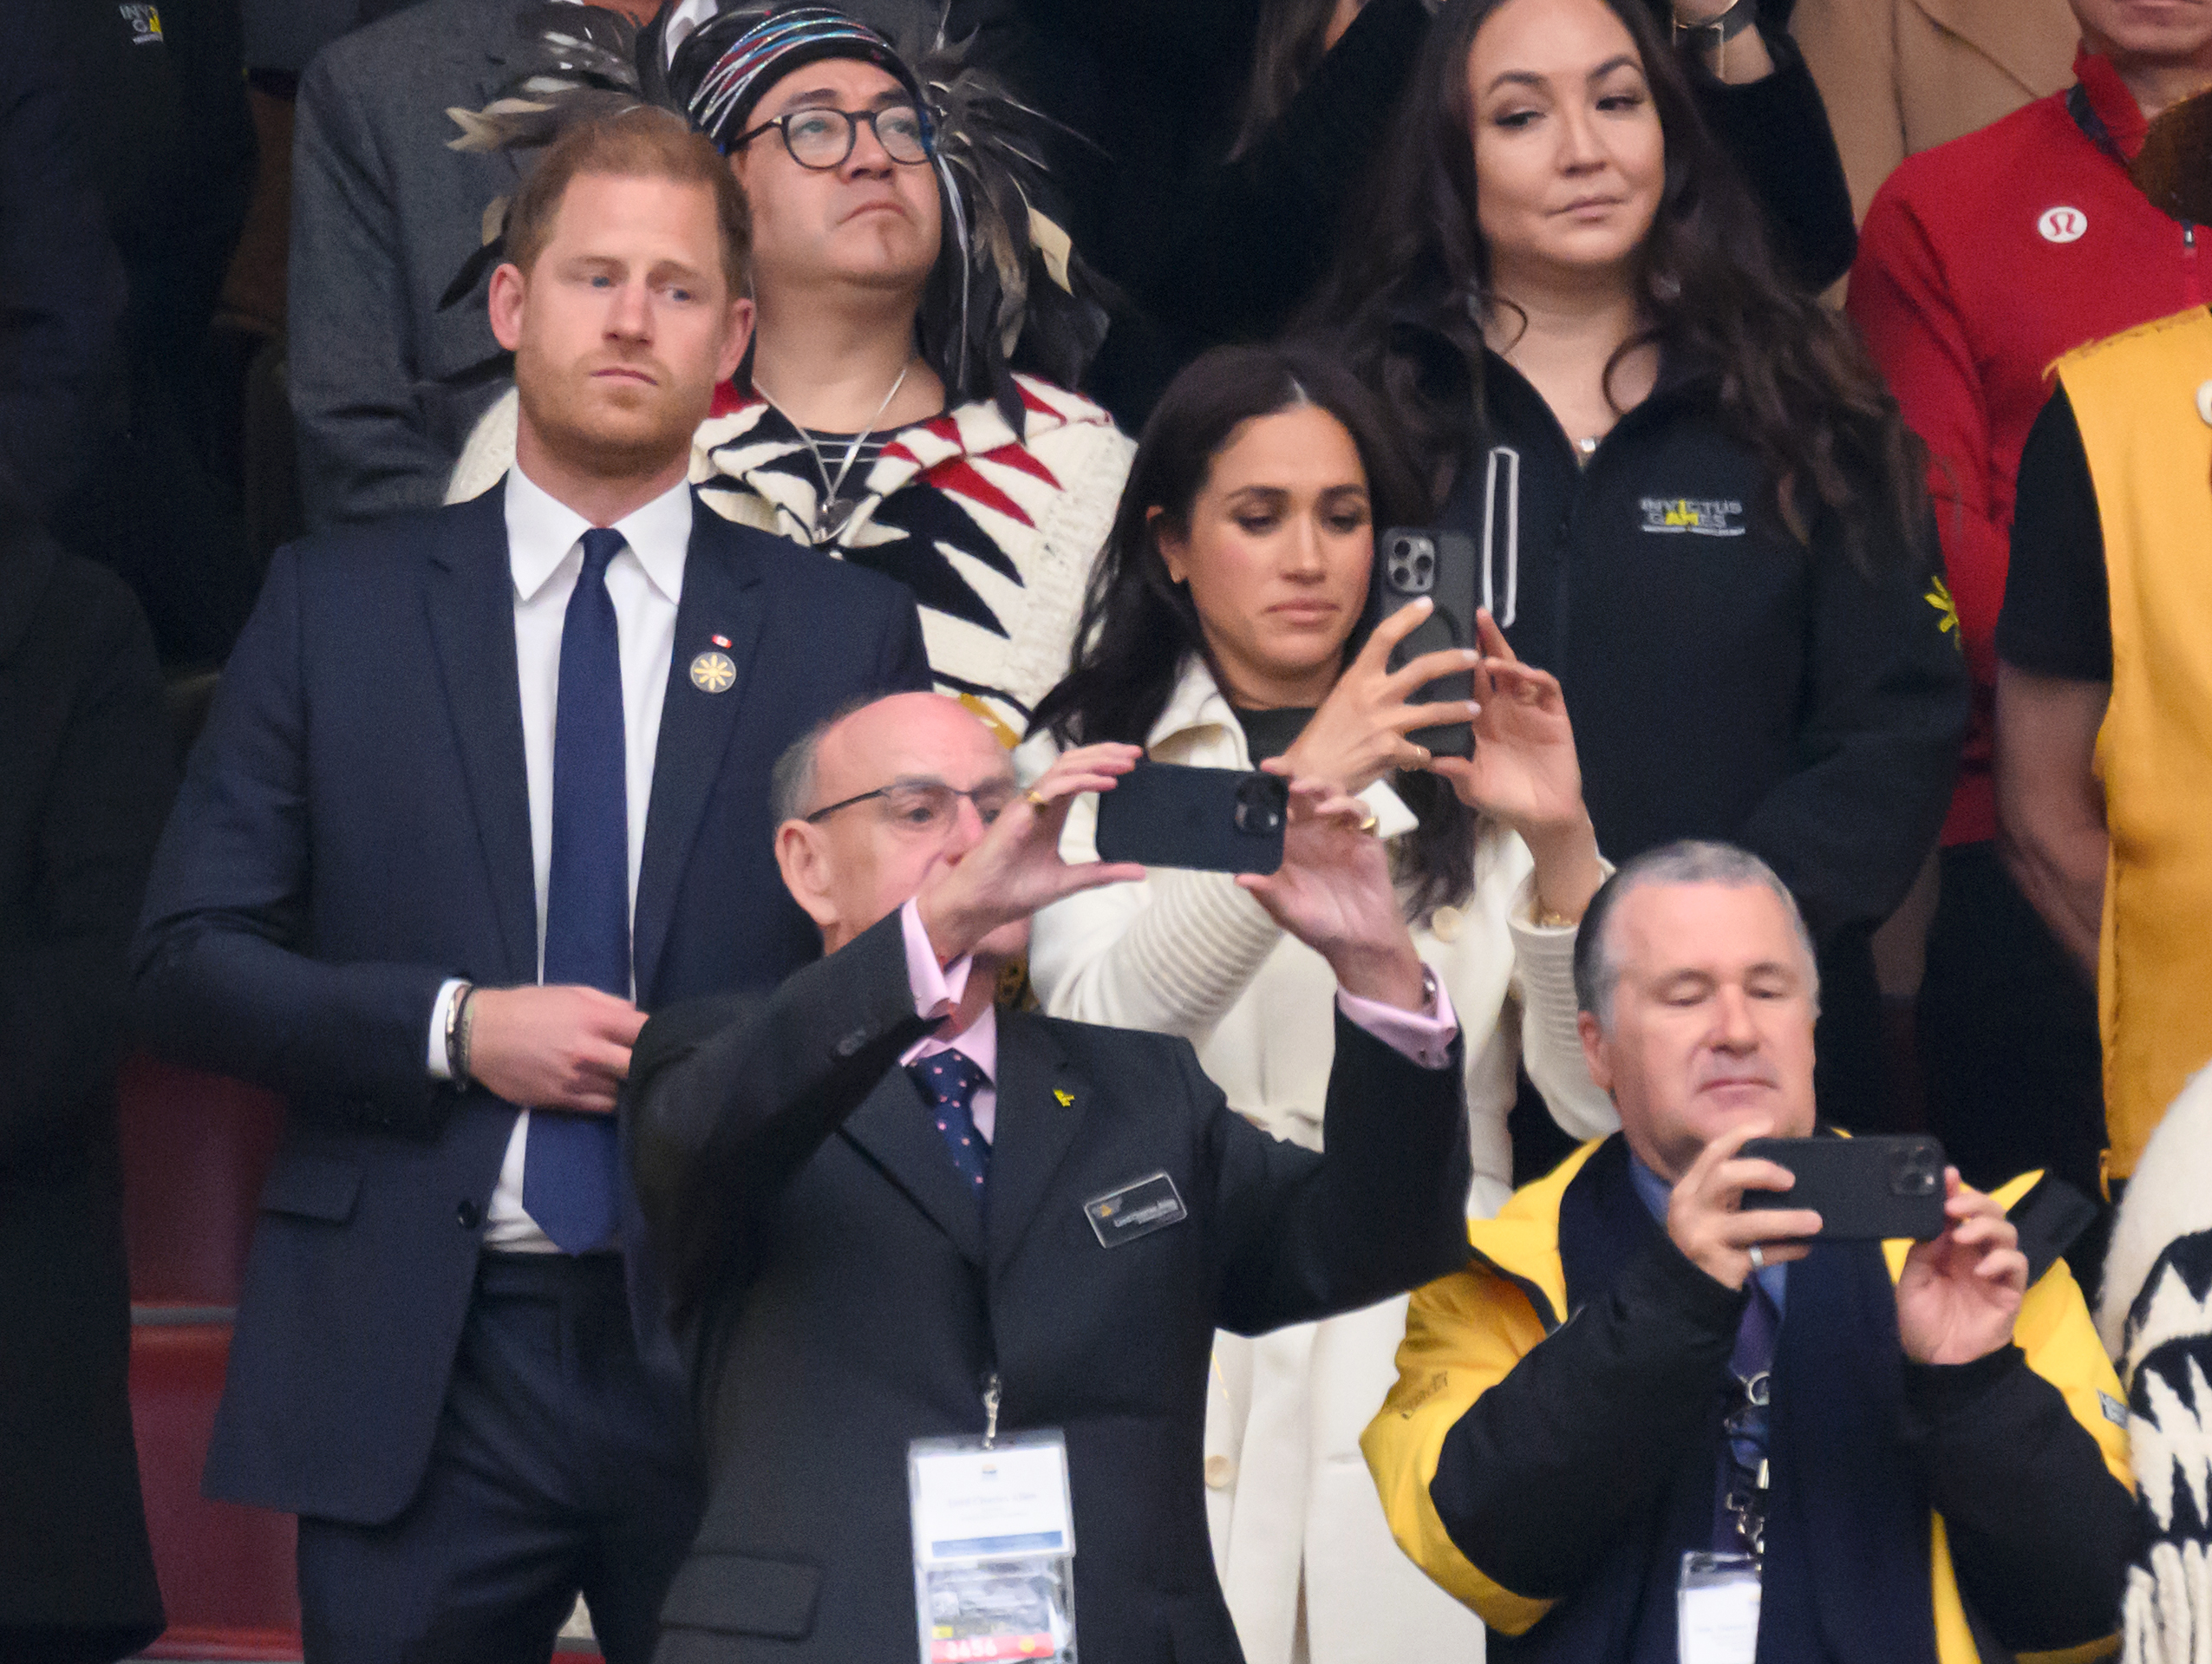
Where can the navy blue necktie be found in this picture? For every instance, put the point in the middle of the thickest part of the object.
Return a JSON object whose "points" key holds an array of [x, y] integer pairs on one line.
{"points": [[950, 1081], [570, 1167]]}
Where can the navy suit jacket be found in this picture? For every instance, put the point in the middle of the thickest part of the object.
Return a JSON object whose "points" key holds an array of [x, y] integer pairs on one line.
{"points": [[353, 829]]}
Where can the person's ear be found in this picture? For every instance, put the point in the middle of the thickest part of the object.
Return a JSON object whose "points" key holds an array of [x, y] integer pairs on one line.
{"points": [[738, 327], [509, 291], [804, 860], [1595, 1053], [1174, 546]]}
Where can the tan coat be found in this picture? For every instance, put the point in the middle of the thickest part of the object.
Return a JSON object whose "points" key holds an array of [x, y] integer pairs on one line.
{"points": [[1901, 76]]}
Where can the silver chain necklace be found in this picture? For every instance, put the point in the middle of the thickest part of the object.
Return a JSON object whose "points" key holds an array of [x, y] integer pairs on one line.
{"points": [[834, 513]]}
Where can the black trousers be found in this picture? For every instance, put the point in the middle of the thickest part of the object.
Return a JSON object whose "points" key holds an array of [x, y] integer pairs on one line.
{"points": [[559, 1467], [2006, 1034]]}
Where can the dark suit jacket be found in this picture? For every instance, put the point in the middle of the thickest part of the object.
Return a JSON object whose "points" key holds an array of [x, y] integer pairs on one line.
{"points": [[842, 1293], [85, 777], [353, 828]]}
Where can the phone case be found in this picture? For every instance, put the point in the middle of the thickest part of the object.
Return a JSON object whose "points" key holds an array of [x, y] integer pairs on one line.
{"points": [[1209, 819], [1869, 1189], [1418, 562]]}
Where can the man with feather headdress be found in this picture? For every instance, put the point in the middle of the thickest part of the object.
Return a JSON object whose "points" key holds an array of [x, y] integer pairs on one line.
{"points": [[386, 378], [918, 319]]}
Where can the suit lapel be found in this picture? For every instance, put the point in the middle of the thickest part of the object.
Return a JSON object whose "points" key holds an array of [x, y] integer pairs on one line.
{"points": [[894, 1130], [722, 598], [470, 599], [1041, 1102]]}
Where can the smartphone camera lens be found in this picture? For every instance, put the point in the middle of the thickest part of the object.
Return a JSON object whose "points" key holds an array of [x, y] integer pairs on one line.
{"points": [[1260, 801], [1412, 565], [1916, 1170]]}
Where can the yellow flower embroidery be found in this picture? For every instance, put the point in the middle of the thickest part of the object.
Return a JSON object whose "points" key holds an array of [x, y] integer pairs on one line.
{"points": [[1939, 596]]}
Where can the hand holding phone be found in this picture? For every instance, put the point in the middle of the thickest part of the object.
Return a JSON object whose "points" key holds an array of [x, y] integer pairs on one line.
{"points": [[1420, 564], [1334, 893], [1712, 1218], [1363, 729], [1960, 1294]]}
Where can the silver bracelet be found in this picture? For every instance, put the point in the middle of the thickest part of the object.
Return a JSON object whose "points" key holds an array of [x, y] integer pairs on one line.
{"points": [[457, 1035]]}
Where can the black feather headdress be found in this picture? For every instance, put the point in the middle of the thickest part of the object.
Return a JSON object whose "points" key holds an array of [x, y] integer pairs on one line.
{"points": [[1009, 290]]}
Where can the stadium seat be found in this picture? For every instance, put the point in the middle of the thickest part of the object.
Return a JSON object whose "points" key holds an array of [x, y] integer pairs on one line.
{"points": [[227, 1573], [196, 1148]]}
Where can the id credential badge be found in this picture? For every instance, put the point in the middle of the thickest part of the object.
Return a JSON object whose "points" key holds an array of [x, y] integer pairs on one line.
{"points": [[1718, 1609], [993, 1548]]}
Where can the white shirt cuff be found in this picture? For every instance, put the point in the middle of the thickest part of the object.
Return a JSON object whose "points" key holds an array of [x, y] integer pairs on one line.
{"points": [[1424, 1036], [440, 1008], [937, 987]]}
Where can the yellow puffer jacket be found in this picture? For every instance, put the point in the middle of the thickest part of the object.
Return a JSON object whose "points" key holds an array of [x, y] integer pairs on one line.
{"points": [[1465, 1333]]}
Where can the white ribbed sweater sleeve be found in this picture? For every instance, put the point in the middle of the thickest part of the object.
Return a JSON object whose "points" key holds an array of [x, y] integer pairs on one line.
{"points": [[1169, 954], [1551, 1043]]}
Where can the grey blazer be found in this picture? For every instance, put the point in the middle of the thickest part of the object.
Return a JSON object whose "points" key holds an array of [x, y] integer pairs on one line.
{"points": [[383, 216]]}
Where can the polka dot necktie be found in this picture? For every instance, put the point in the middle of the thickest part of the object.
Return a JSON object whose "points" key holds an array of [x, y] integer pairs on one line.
{"points": [[950, 1081]]}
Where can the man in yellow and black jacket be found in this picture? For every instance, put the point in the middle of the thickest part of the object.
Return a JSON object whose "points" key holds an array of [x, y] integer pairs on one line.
{"points": [[1917, 1450]]}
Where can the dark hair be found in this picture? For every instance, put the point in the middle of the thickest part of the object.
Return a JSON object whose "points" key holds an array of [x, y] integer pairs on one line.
{"points": [[1292, 40], [1140, 628], [1795, 386], [641, 143]]}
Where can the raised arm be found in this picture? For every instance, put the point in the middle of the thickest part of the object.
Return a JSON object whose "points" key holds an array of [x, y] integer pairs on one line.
{"points": [[1758, 98]]}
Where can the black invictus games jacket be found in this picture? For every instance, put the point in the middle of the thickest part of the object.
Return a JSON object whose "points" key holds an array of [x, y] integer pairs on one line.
{"points": [[1726, 681]]}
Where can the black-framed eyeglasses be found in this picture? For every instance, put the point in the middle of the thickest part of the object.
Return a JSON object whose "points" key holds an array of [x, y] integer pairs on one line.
{"points": [[821, 139], [928, 805]]}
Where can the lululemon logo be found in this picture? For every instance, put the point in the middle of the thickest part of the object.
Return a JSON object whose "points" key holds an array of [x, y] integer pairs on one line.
{"points": [[2062, 225]]}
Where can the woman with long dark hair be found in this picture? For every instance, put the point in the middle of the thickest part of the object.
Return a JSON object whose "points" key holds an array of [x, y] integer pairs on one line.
{"points": [[1252, 236], [1694, 500], [1228, 623]]}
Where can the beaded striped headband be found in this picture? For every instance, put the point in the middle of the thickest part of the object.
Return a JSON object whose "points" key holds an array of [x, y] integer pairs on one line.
{"points": [[772, 48]]}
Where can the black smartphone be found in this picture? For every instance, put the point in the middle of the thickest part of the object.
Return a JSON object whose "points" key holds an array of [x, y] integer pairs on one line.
{"points": [[1418, 564], [1868, 1189], [1211, 819]]}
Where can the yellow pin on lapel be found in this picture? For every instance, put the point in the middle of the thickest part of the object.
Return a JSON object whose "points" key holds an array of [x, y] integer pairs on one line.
{"points": [[1065, 1098]]}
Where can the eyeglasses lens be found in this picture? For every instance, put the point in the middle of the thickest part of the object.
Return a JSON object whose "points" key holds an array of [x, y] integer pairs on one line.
{"points": [[823, 139]]}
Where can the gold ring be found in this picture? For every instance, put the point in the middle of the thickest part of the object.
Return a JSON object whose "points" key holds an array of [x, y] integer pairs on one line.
{"points": [[1035, 799], [1371, 822]]}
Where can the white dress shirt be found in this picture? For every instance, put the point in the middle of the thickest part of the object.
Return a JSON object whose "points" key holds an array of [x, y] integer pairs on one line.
{"points": [[645, 581]]}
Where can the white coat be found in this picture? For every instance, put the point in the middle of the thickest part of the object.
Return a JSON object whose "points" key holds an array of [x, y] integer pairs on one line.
{"points": [[1290, 1505]]}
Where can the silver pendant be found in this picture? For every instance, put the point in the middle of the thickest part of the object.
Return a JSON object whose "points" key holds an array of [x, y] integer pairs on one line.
{"points": [[830, 523]]}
